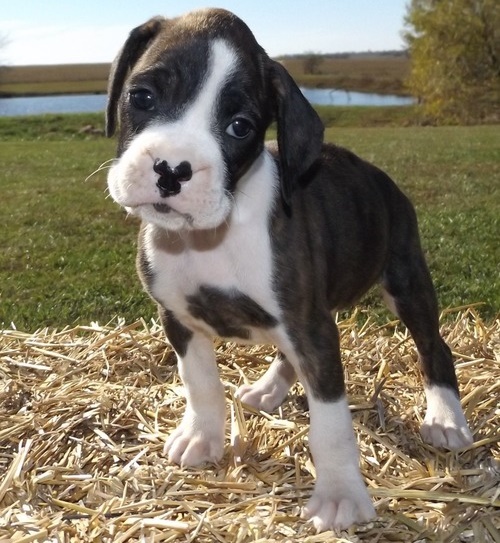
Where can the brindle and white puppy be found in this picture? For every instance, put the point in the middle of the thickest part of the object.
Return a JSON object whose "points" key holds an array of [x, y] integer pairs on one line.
{"points": [[260, 242]]}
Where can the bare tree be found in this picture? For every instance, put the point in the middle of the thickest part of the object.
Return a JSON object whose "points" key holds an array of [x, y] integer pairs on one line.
{"points": [[3, 43], [312, 63]]}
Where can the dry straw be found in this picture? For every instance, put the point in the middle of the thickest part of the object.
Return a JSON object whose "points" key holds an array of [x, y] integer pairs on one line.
{"points": [[85, 412]]}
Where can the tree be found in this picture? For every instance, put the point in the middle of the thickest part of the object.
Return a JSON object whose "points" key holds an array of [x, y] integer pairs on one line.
{"points": [[312, 62], [455, 55], [3, 43]]}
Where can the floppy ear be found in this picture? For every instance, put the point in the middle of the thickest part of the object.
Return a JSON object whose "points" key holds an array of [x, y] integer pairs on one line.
{"points": [[300, 130], [134, 47]]}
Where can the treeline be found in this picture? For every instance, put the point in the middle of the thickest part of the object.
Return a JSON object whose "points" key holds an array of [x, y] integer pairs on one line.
{"points": [[346, 55]]}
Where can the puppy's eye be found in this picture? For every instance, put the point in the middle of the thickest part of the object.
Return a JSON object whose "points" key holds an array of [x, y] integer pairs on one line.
{"points": [[142, 99], [240, 128]]}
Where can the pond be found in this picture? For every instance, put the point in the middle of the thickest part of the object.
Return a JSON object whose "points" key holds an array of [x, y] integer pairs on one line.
{"points": [[35, 105], [89, 103], [333, 97]]}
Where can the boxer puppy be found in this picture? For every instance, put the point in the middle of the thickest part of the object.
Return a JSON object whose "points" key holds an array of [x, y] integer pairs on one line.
{"points": [[260, 243]]}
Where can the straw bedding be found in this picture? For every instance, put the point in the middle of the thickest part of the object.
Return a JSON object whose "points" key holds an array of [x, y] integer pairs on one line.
{"points": [[85, 413]]}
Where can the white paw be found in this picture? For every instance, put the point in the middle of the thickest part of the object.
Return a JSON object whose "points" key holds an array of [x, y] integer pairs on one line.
{"points": [[339, 507], [340, 498], [444, 423], [263, 398], [269, 392], [189, 446], [444, 434]]}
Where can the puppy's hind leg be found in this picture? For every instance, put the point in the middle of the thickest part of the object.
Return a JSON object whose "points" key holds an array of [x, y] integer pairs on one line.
{"points": [[269, 392], [409, 292]]}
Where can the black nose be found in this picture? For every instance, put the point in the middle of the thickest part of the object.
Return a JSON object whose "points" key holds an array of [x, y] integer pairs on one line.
{"points": [[170, 179]]}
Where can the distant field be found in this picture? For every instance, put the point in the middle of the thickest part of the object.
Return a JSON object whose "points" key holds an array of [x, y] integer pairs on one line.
{"points": [[57, 79], [67, 251], [383, 74], [370, 73]]}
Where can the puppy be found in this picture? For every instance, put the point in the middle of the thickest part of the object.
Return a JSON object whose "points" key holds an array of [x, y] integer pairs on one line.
{"points": [[260, 243]]}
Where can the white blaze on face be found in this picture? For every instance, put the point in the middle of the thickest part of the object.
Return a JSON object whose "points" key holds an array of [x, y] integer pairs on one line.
{"points": [[203, 201]]}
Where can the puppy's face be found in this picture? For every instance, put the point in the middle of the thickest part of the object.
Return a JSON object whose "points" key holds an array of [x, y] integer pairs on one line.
{"points": [[193, 114], [193, 98]]}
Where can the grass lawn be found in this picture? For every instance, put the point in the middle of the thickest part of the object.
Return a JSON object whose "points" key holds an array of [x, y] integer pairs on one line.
{"points": [[67, 251]]}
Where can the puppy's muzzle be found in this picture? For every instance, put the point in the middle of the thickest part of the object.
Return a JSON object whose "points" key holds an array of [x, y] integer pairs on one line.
{"points": [[169, 182]]}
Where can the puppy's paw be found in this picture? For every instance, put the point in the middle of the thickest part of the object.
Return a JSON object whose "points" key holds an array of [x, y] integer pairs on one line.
{"points": [[442, 433], [191, 447], [269, 392], [339, 507], [263, 398], [444, 423]]}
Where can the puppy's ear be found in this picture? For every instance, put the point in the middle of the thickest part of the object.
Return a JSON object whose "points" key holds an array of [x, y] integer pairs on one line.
{"points": [[131, 52], [300, 130]]}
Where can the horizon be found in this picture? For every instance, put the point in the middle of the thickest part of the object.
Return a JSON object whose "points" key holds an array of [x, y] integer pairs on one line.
{"points": [[391, 52]]}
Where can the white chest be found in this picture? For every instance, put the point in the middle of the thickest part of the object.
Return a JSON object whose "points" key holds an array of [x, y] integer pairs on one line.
{"points": [[234, 257]]}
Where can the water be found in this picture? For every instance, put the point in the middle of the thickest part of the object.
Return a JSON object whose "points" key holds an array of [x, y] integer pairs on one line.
{"points": [[36, 105], [332, 97], [89, 103]]}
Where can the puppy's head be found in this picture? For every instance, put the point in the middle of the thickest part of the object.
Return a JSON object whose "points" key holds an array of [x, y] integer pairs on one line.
{"points": [[193, 98]]}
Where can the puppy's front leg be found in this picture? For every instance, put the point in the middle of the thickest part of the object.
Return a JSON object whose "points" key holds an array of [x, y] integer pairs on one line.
{"points": [[339, 498], [200, 436]]}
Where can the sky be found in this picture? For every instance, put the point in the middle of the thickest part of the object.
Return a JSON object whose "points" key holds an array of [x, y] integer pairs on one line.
{"points": [[72, 31]]}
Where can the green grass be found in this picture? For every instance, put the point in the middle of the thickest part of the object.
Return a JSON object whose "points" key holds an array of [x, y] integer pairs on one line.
{"points": [[57, 127], [60, 127], [361, 116], [67, 251]]}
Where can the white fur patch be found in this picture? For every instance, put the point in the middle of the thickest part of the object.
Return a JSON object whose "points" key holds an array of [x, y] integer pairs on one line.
{"points": [[444, 423], [339, 498], [203, 201]]}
